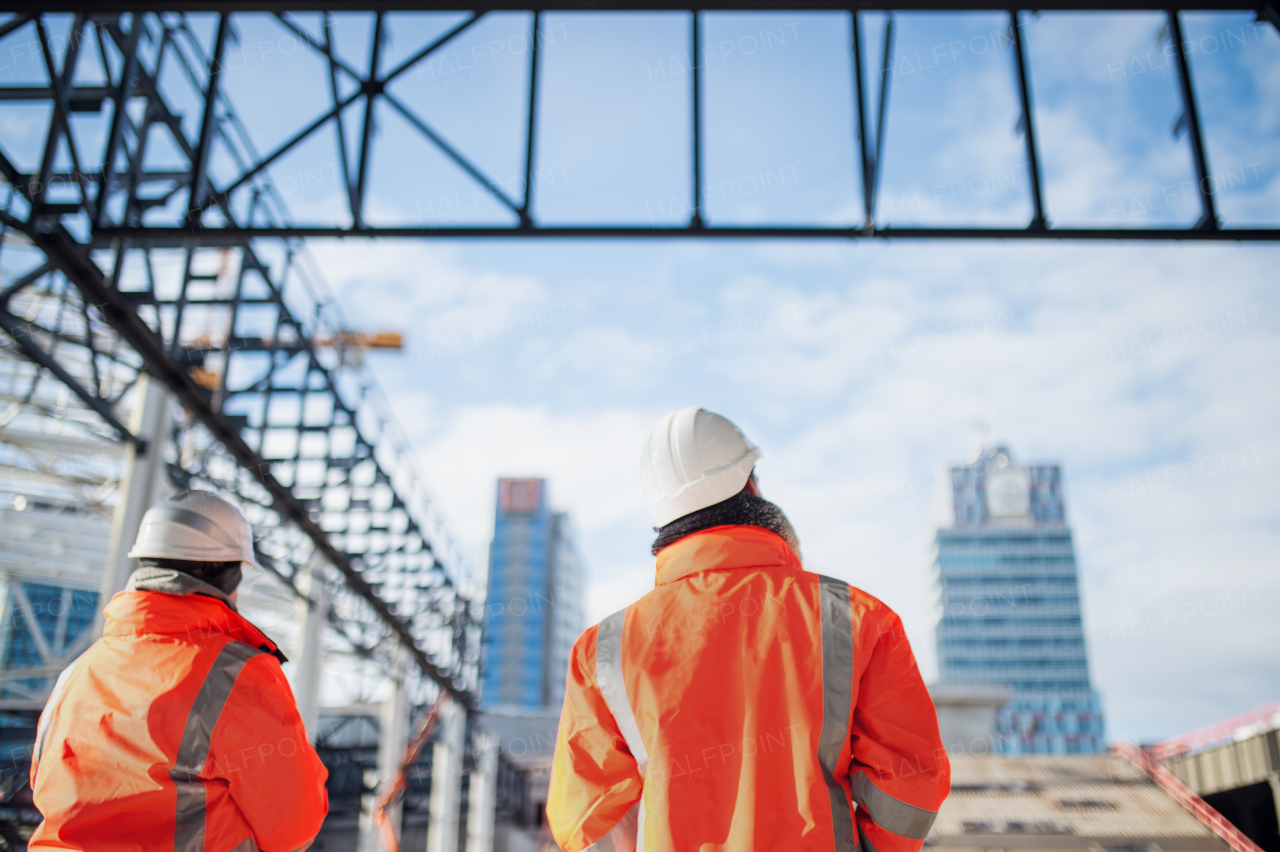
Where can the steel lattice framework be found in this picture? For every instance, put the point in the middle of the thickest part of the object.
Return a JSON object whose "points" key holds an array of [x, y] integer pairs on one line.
{"points": [[118, 197], [197, 273], [280, 413]]}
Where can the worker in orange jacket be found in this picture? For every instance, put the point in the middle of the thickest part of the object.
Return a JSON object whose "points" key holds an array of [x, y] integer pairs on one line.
{"points": [[177, 729], [744, 703]]}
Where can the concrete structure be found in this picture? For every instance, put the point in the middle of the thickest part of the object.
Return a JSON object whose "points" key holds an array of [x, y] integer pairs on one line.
{"points": [[526, 739], [1100, 803], [967, 715], [482, 791], [1009, 603], [533, 612], [1238, 775], [144, 481]]}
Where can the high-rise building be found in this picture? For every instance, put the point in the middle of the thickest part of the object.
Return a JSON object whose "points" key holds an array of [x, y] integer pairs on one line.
{"points": [[534, 609], [51, 557], [1009, 602]]}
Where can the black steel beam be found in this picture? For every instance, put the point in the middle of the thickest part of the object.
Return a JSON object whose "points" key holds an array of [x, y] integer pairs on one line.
{"points": [[208, 127], [431, 48], [451, 152], [1268, 12], [60, 123], [1191, 118], [327, 50], [886, 65], [25, 335], [119, 119], [180, 237], [526, 209], [695, 69], [864, 142], [12, 24], [121, 6], [371, 88], [1028, 121]]}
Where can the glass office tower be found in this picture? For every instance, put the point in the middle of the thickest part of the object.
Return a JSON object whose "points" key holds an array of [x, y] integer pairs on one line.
{"points": [[1009, 603], [51, 555], [534, 610]]}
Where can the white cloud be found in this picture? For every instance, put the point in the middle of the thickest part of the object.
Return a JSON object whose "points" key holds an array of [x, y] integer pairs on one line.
{"points": [[590, 459], [1106, 359], [1119, 361]]}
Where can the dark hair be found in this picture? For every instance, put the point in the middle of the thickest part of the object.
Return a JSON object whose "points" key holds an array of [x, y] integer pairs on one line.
{"points": [[221, 575]]}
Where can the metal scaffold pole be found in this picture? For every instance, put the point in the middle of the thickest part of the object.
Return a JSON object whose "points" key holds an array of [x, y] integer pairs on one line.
{"points": [[311, 615], [446, 779], [393, 740], [483, 792], [142, 482]]}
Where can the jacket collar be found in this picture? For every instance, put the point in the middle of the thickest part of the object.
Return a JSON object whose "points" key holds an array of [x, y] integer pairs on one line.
{"points": [[195, 617], [725, 548], [153, 578]]}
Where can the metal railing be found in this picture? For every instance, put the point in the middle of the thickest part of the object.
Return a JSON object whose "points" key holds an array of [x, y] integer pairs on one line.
{"points": [[1184, 795], [1209, 735]]}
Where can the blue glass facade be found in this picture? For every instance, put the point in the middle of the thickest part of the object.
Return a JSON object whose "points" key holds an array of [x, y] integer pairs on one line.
{"points": [[61, 615], [1009, 600], [533, 612]]}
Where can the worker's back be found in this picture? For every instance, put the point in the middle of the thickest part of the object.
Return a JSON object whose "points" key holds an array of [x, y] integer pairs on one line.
{"points": [[756, 702], [177, 730]]}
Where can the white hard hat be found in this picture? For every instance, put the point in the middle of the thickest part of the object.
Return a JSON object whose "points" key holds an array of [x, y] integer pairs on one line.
{"points": [[198, 526], [693, 459]]}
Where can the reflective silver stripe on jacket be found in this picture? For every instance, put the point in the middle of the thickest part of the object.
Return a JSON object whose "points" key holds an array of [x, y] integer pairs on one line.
{"points": [[193, 751], [837, 698], [890, 813], [614, 689], [629, 832]]}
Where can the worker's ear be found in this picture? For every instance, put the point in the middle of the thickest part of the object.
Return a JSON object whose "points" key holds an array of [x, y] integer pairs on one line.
{"points": [[752, 486]]}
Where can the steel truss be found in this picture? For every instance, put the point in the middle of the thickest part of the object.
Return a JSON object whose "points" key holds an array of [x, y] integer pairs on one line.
{"points": [[193, 205], [278, 408], [278, 411]]}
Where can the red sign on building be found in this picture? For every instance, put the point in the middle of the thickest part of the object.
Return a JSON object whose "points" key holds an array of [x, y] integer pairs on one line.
{"points": [[520, 495]]}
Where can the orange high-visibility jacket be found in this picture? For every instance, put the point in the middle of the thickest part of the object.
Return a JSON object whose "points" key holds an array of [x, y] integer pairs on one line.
{"points": [[176, 730], [746, 704]]}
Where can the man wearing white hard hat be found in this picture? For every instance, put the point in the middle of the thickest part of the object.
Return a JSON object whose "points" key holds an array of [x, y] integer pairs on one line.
{"points": [[177, 729], [745, 703]]}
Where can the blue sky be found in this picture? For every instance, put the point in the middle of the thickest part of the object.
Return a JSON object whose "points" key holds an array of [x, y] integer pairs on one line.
{"points": [[1146, 370]]}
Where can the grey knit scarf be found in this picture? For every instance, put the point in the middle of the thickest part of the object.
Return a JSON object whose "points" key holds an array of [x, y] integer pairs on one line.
{"points": [[155, 578], [743, 509], [150, 577]]}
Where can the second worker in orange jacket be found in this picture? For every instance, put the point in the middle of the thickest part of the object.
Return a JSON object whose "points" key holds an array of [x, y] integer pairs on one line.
{"points": [[745, 703], [177, 730]]}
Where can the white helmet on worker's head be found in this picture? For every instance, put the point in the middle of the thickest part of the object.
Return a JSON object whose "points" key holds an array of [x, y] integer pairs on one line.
{"points": [[196, 526], [693, 459]]}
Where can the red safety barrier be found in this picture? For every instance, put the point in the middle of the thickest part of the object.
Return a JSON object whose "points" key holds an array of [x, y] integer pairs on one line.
{"points": [[1186, 797], [1213, 734]]}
